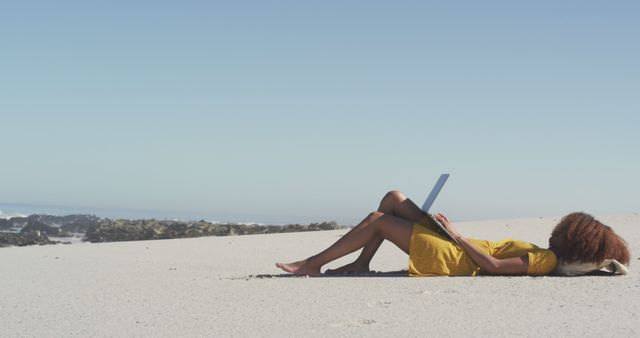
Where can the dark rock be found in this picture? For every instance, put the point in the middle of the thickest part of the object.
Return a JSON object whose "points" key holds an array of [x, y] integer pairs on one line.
{"points": [[136, 230], [81, 223], [22, 239], [70, 223], [34, 229], [5, 224], [35, 226]]}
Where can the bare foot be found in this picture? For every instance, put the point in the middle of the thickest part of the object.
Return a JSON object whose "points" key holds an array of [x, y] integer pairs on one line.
{"points": [[300, 268], [348, 269]]}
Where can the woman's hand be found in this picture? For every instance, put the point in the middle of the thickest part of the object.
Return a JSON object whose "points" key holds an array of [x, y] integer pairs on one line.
{"points": [[448, 225]]}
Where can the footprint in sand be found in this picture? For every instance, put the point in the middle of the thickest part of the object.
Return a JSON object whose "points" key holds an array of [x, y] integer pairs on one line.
{"points": [[383, 304], [354, 323]]}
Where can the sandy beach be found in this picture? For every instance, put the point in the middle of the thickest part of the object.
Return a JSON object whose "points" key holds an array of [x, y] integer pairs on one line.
{"points": [[229, 286]]}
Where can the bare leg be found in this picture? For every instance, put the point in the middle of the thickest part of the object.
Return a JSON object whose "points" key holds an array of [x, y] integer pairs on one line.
{"points": [[393, 203], [375, 225]]}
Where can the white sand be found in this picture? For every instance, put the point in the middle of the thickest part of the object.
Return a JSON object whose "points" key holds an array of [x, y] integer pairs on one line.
{"points": [[212, 286]]}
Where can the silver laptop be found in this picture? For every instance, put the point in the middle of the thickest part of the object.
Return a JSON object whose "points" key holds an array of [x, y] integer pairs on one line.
{"points": [[432, 198], [434, 192]]}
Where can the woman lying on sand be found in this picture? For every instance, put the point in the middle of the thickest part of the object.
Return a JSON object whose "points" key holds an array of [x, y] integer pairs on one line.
{"points": [[577, 238]]}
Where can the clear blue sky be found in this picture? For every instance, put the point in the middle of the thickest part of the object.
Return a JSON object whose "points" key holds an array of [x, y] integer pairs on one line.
{"points": [[304, 111]]}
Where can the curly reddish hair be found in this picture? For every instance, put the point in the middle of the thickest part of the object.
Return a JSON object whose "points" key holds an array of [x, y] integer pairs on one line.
{"points": [[582, 238]]}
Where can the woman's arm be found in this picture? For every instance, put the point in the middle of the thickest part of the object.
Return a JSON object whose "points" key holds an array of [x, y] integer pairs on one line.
{"points": [[487, 263]]}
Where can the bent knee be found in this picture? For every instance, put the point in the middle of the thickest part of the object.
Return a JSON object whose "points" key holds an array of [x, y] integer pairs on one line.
{"points": [[375, 215], [395, 195]]}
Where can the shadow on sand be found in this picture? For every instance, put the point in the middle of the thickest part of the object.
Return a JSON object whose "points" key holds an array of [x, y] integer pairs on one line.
{"points": [[401, 273]]}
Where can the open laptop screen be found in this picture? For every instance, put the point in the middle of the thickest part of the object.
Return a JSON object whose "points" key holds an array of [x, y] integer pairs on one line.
{"points": [[434, 192]]}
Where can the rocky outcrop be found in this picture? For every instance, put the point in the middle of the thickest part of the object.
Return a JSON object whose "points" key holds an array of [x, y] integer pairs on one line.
{"points": [[34, 226], [125, 230], [5, 224], [75, 223], [69, 223], [35, 229], [22, 239]]}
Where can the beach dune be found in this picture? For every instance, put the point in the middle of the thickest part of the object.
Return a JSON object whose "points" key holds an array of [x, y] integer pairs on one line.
{"points": [[229, 286]]}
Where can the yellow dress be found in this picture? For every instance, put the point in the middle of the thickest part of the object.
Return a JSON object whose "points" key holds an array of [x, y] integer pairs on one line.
{"points": [[430, 254]]}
